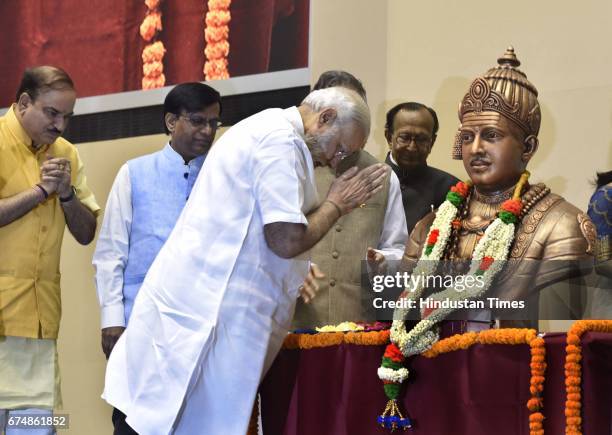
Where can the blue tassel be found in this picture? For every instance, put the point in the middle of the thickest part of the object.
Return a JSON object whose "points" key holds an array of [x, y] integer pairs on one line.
{"points": [[392, 418]]}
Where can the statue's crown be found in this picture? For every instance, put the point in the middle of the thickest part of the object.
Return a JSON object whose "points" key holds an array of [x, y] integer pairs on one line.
{"points": [[506, 90]]}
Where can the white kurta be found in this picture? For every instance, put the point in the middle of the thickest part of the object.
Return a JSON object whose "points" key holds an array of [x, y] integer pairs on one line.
{"points": [[217, 302]]}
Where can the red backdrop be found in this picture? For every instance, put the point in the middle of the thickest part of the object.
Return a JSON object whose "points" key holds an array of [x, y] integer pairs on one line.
{"points": [[98, 42]]}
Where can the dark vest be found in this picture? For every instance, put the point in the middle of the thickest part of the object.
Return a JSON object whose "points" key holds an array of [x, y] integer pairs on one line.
{"points": [[421, 188]]}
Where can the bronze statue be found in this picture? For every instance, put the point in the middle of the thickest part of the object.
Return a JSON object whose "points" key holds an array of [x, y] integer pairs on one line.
{"points": [[500, 120], [514, 237]]}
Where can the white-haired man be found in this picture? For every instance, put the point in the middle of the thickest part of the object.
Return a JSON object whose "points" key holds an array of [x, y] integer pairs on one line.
{"points": [[216, 304]]}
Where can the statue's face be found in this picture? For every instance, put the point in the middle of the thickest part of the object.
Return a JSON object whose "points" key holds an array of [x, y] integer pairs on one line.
{"points": [[494, 155]]}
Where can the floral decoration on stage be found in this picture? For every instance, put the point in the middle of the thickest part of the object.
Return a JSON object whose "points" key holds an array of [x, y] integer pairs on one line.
{"points": [[153, 53], [216, 36], [341, 327], [393, 372], [573, 371], [487, 261]]}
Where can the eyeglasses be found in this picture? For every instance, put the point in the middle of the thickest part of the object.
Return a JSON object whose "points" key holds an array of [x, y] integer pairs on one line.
{"points": [[419, 139], [342, 153], [199, 122]]}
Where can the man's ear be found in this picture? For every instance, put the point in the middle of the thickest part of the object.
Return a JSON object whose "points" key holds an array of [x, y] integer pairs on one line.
{"points": [[327, 116], [530, 146], [170, 120], [433, 141], [389, 137], [23, 102]]}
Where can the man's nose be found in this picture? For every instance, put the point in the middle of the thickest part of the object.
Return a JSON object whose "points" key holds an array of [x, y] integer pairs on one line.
{"points": [[207, 128], [60, 123]]}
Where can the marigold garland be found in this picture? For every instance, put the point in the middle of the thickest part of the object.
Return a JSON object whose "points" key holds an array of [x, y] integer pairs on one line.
{"points": [[510, 337], [573, 371], [394, 358], [153, 53], [216, 34], [310, 341]]}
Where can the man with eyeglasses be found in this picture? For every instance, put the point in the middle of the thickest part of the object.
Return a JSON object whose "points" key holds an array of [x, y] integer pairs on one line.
{"points": [[42, 190], [144, 204], [410, 130]]}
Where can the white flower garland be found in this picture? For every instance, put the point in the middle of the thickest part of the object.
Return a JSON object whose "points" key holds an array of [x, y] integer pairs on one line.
{"points": [[398, 376], [495, 244]]}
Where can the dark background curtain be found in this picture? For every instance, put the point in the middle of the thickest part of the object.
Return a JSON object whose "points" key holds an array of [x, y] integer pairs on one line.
{"points": [[98, 41]]}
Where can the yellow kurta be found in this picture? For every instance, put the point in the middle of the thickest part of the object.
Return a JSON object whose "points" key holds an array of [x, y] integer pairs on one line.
{"points": [[30, 306]]}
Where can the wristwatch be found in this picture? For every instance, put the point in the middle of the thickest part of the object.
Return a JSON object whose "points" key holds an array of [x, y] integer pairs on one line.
{"points": [[69, 197]]}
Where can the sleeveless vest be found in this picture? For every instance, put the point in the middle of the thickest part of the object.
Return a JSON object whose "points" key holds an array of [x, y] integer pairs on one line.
{"points": [[161, 183]]}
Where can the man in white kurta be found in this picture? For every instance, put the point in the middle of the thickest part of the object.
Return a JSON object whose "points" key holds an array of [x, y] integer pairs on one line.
{"points": [[216, 304]]}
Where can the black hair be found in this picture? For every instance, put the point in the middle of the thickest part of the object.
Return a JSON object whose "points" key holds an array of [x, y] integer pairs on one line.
{"points": [[190, 97], [603, 178], [340, 78], [410, 107], [38, 79]]}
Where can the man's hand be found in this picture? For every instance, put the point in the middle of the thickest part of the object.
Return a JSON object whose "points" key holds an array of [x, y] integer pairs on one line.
{"points": [[110, 336], [354, 187], [309, 289], [55, 176], [348, 191], [376, 261]]}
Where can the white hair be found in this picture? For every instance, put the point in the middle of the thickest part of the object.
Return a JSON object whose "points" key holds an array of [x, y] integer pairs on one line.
{"points": [[349, 105]]}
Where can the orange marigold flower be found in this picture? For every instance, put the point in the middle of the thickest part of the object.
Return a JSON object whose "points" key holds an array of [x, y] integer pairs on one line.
{"points": [[217, 18], [218, 4], [152, 4], [216, 34], [152, 69], [308, 341], [153, 52], [513, 206], [217, 50], [153, 83], [150, 25], [534, 404], [216, 69], [536, 417], [572, 381]]}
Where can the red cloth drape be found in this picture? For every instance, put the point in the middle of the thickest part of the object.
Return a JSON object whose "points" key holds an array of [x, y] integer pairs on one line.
{"points": [[98, 42], [479, 391]]}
